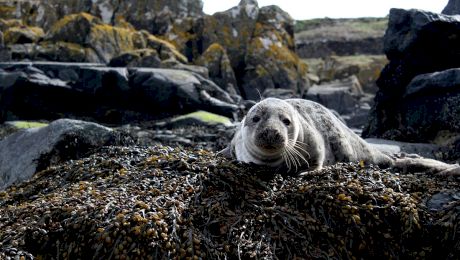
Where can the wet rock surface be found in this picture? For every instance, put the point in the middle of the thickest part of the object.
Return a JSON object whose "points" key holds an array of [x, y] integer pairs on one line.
{"points": [[164, 202]]}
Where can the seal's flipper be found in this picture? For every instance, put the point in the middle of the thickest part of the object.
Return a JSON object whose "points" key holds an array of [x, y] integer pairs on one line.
{"points": [[227, 153], [426, 165]]}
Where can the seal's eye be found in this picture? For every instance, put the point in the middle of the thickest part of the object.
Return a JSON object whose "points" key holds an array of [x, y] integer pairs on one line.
{"points": [[255, 119], [286, 122]]}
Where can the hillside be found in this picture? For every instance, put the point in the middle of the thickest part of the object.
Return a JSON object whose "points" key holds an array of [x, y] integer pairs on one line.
{"points": [[318, 38]]}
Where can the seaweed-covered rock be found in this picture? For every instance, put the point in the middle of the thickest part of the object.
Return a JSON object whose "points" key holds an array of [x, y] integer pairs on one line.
{"points": [[215, 58], [23, 34], [26, 152], [417, 42], [163, 202]]}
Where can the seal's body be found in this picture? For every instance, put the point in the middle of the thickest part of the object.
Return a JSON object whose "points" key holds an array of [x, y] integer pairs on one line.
{"points": [[303, 134]]}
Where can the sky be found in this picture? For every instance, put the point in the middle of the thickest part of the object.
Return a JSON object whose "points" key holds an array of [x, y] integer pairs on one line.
{"points": [[309, 9]]}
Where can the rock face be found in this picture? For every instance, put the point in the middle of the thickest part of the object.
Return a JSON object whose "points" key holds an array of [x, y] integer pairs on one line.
{"points": [[259, 43], [45, 90], [32, 150], [82, 37], [409, 105], [152, 15], [452, 8]]}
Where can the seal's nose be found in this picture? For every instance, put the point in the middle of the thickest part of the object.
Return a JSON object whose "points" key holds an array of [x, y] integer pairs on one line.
{"points": [[270, 138]]}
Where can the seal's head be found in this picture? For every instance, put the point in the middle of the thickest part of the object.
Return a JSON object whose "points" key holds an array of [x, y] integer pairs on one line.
{"points": [[269, 132]]}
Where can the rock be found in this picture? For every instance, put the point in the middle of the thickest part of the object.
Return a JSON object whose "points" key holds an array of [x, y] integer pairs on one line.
{"points": [[215, 58], [152, 15], [8, 23], [452, 8], [26, 152], [23, 34], [411, 109], [232, 29], [138, 58], [279, 93], [173, 64], [258, 41], [342, 96], [176, 92], [110, 95], [366, 67], [83, 37], [270, 58]]}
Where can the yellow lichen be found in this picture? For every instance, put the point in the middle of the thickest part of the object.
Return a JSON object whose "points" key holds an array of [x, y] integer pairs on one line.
{"points": [[13, 34], [70, 18]]}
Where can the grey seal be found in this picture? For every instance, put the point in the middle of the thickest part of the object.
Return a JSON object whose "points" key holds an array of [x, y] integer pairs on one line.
{"points": [[304, 135]]}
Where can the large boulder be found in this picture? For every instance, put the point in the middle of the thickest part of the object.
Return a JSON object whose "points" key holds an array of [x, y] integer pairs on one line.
{"points": [[452, 7], [24, 153], [152, 15], [270, 58], [417, 42], [260, 45]]}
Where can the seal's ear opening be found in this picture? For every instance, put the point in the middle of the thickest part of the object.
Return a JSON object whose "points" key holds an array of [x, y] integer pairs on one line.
{"points": [[227, 153]]}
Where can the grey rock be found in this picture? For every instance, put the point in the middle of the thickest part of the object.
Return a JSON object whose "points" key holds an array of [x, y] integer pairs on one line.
{"points": [[341, 95], [111, 95], [410, 29], [407, 106], [452, 8], [152, 15], [442, 81], [26, 152], [178, 91]]}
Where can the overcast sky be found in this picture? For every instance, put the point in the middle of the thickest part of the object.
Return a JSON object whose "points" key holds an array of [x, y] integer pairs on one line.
{"points": [[308, 9]]}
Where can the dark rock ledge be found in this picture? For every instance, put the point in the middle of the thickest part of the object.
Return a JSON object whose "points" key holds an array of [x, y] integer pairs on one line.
{"points": [[163, 202]]}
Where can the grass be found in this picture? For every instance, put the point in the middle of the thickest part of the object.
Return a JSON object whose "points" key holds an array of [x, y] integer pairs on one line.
{"points": [[341, 28]]}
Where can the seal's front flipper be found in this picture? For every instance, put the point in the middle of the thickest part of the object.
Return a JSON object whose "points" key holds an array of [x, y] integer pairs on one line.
{"points": [[227, 153], [426, 165]]}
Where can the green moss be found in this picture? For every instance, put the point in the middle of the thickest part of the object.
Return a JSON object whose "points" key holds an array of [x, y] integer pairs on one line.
{"points": [[206, 117], [27, 124]]}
